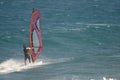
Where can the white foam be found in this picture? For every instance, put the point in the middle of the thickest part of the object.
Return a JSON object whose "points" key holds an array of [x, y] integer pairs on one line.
{"points": [[13, 65], [104, 78]]}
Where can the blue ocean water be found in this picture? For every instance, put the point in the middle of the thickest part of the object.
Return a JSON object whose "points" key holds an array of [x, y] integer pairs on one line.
{"points": [[81, 40]]}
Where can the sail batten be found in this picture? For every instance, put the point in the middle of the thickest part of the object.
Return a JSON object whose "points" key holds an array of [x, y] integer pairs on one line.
{"points": [[35, 35]]}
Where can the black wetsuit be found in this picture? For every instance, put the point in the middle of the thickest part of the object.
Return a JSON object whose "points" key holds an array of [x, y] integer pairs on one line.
{"points": [[27, 55]]}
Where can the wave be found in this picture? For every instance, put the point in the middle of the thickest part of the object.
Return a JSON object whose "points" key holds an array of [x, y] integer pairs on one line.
{"points": [[74, 77], [13, 65]]}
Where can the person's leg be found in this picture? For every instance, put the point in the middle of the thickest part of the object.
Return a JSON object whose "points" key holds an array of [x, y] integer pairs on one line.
{"points": [[29, 59], [25, 60]]}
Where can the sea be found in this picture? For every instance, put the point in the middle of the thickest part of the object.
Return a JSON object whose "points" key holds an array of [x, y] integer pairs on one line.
{"points": [[81, 40]]}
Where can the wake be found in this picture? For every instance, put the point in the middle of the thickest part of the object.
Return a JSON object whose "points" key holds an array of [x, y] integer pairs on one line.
{"points": [[13, 65]]}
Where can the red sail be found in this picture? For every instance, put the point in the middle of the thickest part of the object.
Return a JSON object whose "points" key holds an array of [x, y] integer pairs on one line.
{"points": [[35, 35]]}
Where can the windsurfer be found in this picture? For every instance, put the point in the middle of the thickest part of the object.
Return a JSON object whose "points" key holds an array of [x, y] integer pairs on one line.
{"points": [[27, 53]]}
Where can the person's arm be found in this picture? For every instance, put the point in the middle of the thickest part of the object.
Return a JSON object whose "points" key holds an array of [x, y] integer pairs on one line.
{"points": [[28, 48], [32, 47]]}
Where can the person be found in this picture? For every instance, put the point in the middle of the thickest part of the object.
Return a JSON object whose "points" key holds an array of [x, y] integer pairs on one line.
{"points": [[27, 53]]}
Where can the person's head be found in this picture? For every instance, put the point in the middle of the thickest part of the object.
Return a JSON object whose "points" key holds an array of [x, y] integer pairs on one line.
{"points": [[24, 46]]}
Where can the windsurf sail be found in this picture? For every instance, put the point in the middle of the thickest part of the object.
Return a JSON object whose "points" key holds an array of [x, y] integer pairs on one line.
{"points": [[35, 35]]}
